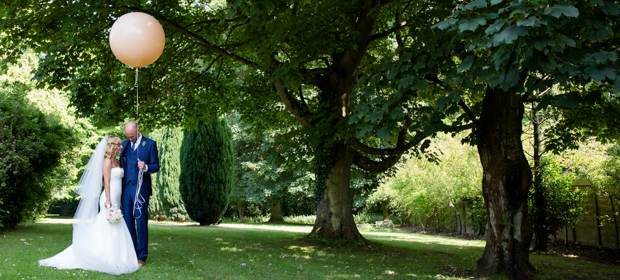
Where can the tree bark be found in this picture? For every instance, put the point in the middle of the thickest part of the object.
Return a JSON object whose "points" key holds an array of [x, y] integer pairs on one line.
{"points": [[540, 201], [241, 213], [334, 216], [506, 180], [384, 208], [276, 212]]}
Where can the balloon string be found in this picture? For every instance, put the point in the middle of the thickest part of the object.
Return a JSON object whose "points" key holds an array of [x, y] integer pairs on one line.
{"points": [[138, 199], [137, 98]]}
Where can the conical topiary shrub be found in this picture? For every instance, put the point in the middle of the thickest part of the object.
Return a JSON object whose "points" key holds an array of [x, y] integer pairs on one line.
{"points": [[207, 171]]}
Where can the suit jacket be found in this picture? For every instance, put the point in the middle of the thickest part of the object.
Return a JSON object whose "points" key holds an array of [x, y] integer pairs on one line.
{"points": [[147, 152]]}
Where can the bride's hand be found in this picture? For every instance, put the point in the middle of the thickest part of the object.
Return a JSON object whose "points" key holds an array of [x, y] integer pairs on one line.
{"points": [[108, 204]]}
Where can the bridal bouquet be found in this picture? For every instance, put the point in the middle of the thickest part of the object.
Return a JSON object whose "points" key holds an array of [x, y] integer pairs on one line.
{"points": [[114, 215]]}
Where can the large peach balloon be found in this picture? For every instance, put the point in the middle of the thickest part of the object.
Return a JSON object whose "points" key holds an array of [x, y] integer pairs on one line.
{"points": [[137, 39]]}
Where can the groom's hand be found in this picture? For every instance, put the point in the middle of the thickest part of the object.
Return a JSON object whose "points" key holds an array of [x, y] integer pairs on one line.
{"points": [[141, 164]]}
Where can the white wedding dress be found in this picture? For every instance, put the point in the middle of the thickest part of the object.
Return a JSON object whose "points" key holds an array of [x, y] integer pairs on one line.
{"points": [[107, 247]]}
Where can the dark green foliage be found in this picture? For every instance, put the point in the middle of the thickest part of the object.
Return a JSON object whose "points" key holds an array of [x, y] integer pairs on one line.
{"points": [[166, 202], [564, 201], [207, 171], [477, 215], [264, 172], [31, 147]]}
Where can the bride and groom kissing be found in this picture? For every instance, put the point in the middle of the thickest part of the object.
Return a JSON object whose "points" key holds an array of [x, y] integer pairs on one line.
{"points": [[98, 244]]}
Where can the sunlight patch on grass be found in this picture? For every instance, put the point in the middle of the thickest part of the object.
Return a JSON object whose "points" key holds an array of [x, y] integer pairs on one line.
{"points": [[231, 249], [305, 249]]}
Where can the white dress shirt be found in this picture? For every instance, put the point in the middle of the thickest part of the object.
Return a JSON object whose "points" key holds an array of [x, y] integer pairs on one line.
{"points": [[135, 146]]}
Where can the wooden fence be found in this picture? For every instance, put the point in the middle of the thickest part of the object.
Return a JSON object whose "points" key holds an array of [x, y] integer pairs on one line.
{"points": [[599, 227]]}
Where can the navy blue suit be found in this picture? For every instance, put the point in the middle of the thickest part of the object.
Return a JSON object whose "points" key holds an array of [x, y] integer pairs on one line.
{"points": [[147, 152]]}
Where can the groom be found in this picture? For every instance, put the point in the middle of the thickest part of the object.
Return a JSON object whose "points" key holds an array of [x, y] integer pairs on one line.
{"points": [[139, 153]]}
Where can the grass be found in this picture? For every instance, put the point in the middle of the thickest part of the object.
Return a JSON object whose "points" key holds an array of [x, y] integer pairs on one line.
{"points": [[267, 251]]}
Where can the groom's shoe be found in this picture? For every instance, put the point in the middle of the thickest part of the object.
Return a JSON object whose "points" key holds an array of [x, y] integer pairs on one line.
{"points": [[142, 263]]}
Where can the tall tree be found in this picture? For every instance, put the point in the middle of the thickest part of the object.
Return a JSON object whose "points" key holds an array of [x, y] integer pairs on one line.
{"points": [[207, 171], [310, 54], [491, 57]]}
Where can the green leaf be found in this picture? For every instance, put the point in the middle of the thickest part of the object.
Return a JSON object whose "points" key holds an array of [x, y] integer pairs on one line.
{"points": [[471, 25], [603, 56], [367, 129], [510, 34], [419, 84], [384, 133], [374, 116], [496, 26], [599, 74], [559, 10], [465, 64], [429, 130], [495, 2], [546, 100], [617, 84], [444, 24], [565, 41], [490, 15], [354, 119], [612, 8], [527, 22], [475, 4], [566, 101], [441, 103], [397, 113], [541, 42], [455, 95]]}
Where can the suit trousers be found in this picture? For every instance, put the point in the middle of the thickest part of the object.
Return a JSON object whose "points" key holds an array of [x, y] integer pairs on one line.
{"points": [[141, 237]]}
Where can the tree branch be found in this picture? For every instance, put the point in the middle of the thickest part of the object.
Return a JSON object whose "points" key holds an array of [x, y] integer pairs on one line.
{"points": [[213, 21], [291, 103], [401, 146], [204, 71], [469, 113], [389, 31], [370, 165]]}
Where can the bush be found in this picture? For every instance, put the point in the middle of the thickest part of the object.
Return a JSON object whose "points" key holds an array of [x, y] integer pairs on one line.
{"points": [[31, 148], [166, 202], [564, 202], [207, 171], [444, 195], [300, 219]]}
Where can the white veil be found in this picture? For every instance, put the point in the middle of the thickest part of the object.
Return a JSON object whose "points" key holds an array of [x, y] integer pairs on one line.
{"points": [[89, 188]]}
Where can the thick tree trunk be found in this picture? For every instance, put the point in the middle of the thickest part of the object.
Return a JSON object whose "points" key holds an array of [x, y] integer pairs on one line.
{"points": [[241, 212], [276, 212], [540, 201], [506, 180], [334, 216]]}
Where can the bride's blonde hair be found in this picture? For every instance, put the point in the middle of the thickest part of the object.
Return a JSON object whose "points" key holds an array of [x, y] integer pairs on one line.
{"points": [[113, 142]]}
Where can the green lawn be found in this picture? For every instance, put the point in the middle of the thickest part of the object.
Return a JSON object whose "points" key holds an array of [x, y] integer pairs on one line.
{"points": [[263, 251]]}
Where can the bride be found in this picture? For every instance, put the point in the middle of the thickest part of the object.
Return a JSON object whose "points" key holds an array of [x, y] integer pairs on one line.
{"points": [[99, 245]]}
